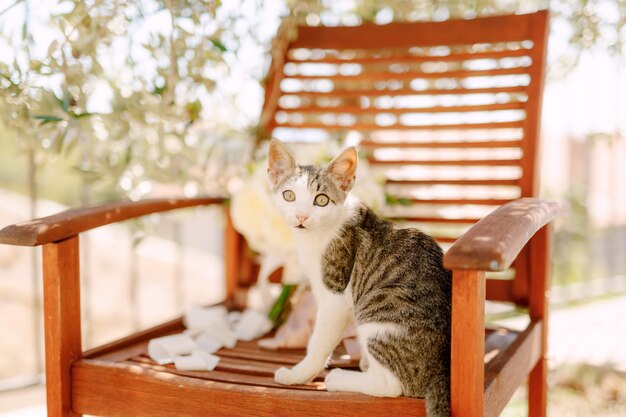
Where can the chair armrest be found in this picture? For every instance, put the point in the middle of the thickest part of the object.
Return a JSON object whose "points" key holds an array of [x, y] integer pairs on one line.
{"points": [[77, 220], [494, 242]]}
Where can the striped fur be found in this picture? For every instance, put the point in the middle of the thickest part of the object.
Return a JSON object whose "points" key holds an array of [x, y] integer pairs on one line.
{"points": [[396, 276]]}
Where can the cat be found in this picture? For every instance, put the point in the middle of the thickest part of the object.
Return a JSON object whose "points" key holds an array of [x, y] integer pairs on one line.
{"points": [[390, 281]]}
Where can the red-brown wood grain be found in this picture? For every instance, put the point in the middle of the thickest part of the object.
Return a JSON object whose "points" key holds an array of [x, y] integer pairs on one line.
{"points": [[508, 370], [493, 243], [77, 220], [468, 345], [538, 24], [61, 302], [400, 56], [150, 393], [369, 36], [539, 301]]}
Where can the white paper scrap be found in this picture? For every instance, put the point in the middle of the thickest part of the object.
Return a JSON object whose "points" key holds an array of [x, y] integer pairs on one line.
{"points": [[210, 360], [252, 325], [201, 317], [163, 349], [233, 317], [193, 333], [209, 343], [222, 332], [197, 361]]}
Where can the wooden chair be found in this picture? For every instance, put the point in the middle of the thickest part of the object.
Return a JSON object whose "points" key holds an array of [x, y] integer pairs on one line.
{"points": [[450, 112]]}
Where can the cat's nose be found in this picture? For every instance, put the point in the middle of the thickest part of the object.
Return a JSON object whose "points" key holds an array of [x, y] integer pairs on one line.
{"points": [[301, 218]]}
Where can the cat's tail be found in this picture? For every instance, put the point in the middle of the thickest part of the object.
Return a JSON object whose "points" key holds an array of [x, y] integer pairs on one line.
{"points": [[438, 397]]}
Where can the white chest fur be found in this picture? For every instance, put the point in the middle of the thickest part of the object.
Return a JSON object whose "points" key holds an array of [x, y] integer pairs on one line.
{"points": [[310, 249]]}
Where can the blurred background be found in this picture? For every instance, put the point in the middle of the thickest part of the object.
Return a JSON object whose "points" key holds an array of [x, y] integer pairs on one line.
{"points": [[106, 99]]}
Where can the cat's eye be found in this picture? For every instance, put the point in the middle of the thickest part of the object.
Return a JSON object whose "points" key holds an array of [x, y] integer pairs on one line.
{"points": [[289, 195], [321, 200]]}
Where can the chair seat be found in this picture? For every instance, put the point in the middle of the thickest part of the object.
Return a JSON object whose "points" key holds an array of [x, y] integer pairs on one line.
{"points": [[244, 378]]}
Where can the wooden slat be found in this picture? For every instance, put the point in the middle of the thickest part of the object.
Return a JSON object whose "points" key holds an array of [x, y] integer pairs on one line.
{"points": [[402, 57], [443, 145], [494, 29], [397, 126], [463, 182], [476, 201], [262, 355], [431, 220], [77, 220], [442, 239], [508, 370], [411, 75], [519, 105], [224, 373], [61, 298], [449, 162], [495, 241], [250, 351], [356, 92], [150, 393], [249, 367], [172, 326]]}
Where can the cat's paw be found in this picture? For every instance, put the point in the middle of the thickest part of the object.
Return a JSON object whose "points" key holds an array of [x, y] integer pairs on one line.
{"points": [[288, 376], [336, 380], [283, 376]]}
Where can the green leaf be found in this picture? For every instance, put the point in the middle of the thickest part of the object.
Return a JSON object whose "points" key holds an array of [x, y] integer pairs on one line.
{"points": [[159, 90], [47, 119], [219, 45], [280, 308], [66, 102], [193, 110], [392, 200], [81, 115]]}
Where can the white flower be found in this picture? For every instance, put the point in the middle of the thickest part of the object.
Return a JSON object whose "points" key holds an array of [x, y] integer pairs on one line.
{"points": [[257, 219]]}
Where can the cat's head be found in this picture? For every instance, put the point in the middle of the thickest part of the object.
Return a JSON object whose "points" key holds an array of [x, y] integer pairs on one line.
{"points": [[310, 197]]}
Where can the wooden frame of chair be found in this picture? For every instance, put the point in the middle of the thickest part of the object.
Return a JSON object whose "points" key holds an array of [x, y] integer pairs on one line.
{"points": [[69, 373], [519, 231]]}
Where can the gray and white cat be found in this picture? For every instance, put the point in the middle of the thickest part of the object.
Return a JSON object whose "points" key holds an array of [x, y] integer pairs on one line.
{"points": [[390, 281]]}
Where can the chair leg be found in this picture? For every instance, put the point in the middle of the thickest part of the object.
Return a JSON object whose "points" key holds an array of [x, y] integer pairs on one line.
{"points": [[540, 252], [61, 291], [538, 390], [467, 370]]}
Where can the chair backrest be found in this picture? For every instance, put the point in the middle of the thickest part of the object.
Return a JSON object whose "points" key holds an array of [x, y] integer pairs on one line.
{"points": [[449, 111]]}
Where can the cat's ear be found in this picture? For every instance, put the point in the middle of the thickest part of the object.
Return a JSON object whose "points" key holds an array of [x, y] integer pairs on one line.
{"points": [[280, 163], [343, 168]]}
